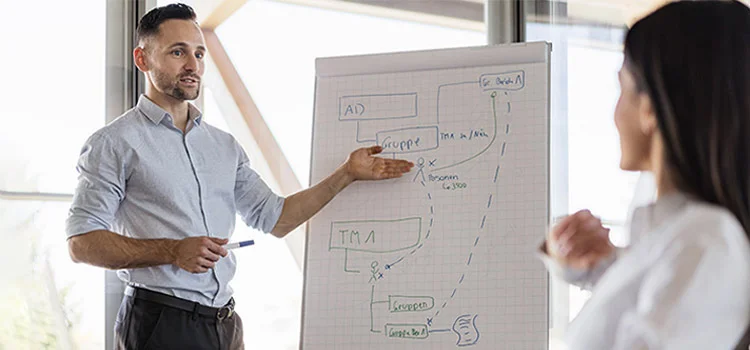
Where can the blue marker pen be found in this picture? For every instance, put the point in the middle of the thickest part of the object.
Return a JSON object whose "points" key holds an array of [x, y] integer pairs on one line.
{"points": [[239, 244]]}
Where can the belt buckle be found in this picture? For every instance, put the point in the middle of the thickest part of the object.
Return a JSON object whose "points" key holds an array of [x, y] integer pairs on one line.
{"points": [[225, 312]]}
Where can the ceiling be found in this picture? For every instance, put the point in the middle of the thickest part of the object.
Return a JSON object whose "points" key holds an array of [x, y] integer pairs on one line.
{"points": [[466, 14]]}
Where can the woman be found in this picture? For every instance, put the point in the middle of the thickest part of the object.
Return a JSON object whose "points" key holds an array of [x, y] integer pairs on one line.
{"points": [[684, 115]]}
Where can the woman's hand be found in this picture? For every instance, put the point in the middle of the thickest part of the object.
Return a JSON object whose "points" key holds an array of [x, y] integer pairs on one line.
{"points": [[579, 241]]}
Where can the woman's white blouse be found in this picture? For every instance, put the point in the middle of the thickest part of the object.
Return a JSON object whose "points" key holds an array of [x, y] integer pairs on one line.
{"points": [[684, 282]]}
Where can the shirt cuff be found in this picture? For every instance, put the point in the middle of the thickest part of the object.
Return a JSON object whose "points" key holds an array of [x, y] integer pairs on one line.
{"points": [[77, 225], [569, 274], [274, 214]]}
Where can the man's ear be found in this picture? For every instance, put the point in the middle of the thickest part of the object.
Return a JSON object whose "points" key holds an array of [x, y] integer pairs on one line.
{"points": [[139, 57]]}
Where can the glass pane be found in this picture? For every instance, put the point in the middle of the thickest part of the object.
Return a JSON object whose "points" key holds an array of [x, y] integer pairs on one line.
{"points": [[279, 72], [268, 283], [585, 61], [268, 290], [54, 99], [53, 90], [46, 301], [586, 39], [211, 111], [274, 45], [596, 181]]}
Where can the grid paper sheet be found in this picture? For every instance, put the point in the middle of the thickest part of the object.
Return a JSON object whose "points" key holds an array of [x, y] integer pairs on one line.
{"points": [[441, 258]]}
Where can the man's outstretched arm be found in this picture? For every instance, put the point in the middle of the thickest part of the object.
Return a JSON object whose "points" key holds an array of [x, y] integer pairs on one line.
{"points": [[361, 165]]}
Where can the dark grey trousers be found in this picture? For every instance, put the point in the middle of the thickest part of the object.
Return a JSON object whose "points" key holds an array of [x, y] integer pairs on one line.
{"points": [[142, 324]]}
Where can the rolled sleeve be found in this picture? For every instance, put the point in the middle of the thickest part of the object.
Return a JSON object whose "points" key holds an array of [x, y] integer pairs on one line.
{"points": [[256, 203], [100, 189]]}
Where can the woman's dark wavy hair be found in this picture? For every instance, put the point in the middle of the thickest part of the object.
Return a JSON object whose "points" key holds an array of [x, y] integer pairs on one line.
{"points": [[692, 58]]}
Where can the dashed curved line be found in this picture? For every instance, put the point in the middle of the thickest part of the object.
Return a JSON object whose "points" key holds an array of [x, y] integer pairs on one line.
{"points": [[429, 231], [484, 218]]}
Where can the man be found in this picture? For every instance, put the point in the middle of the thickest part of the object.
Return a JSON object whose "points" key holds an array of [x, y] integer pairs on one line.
{"points": [[158, 191]]}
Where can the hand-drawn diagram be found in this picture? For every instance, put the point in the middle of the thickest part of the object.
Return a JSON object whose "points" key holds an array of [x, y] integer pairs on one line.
{"points": [[446, 150]]}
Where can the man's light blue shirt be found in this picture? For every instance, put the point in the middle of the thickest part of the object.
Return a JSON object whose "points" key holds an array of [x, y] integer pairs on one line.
{"points": [[142, 177]]}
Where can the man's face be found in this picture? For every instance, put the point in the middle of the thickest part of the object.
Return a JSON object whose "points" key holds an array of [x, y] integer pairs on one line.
{"points": [[175, 59]]}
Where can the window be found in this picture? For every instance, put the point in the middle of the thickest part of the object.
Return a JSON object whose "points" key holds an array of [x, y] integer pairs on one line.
{"points": [[587, 41], [268, 282], [274, 45], [276, 61], [53, 91]]}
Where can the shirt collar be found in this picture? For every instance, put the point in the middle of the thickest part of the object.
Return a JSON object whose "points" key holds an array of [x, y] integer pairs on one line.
{"points": [[649, 217], [156, 114]]}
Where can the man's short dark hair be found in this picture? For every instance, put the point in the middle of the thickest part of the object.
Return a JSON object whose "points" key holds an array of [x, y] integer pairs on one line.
{"points": [[150, 22]]}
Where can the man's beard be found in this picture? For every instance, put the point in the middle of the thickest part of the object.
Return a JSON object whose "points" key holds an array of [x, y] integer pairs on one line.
{"points": [[171, 88], [183, 95]]}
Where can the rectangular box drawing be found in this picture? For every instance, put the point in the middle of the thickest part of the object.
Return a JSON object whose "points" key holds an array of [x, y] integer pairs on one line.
{"points": [[511, 81], [407, 331], [380, 106], [376, 236], [408, 140], [403, 303]]}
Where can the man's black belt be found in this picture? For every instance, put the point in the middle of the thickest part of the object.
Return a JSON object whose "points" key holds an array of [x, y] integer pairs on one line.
{"points": [[219, 313]]}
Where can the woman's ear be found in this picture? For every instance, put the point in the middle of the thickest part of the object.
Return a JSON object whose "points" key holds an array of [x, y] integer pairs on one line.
{"points": [[646, 115], [139, 58]]}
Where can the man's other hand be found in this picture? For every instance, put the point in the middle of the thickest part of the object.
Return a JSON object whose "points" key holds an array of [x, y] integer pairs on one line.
{"points": [[198, 254]]}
